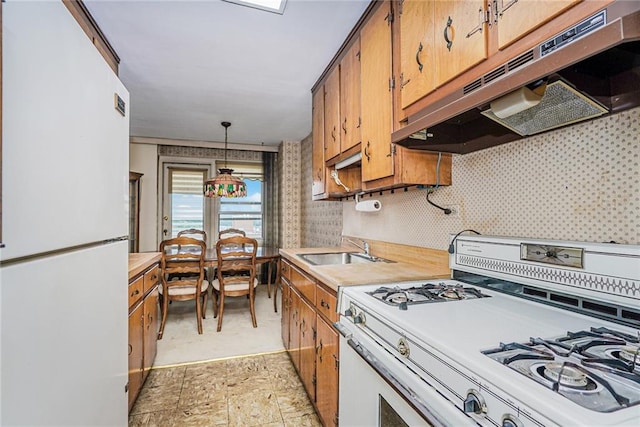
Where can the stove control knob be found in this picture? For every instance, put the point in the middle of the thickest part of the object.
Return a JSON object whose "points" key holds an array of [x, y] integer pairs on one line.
{"points": [[403, 347], [509, 420], [359, 319], [348, 312], [474, 403]]}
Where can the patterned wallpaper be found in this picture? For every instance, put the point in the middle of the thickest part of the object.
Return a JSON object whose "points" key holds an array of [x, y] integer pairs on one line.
{"points": [[577, 183], [290, 194], [322, 221], [210, 153]]}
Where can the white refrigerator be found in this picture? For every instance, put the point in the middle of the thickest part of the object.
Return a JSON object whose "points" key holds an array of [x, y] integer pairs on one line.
{"points": [[63, 267]]}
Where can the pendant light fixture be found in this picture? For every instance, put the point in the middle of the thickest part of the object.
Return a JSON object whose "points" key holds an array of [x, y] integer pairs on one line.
{"points": [[225, 184]]}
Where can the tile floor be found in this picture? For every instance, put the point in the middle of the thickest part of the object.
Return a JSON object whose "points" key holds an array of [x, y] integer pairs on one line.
{"points": [[261, 390]]}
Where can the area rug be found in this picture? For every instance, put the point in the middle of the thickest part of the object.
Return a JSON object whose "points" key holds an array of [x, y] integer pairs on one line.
{"points": [[181, 342]]}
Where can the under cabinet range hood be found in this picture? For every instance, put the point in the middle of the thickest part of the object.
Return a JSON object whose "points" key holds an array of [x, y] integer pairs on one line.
{"points": [[588, 70]]}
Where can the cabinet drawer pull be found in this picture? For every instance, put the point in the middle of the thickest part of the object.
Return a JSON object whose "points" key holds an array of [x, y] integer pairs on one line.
{"points": [[446, 33], [136, 292], [418, 58], [325, 304]]}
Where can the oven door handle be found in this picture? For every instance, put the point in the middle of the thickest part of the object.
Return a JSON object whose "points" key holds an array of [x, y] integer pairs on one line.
{"points": [[408, 395], [342, 330]]}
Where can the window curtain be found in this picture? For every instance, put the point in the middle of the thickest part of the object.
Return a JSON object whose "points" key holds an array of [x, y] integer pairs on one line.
{"points": [[270, 204]]}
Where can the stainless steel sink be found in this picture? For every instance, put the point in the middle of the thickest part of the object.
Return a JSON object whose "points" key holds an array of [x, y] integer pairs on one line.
{"points": [[340, 258]]}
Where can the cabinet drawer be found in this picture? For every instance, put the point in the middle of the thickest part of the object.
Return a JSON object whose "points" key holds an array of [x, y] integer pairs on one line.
{"points": [[326, 304], [305, 285], [151, 278], [136, 290], [285, 270]]}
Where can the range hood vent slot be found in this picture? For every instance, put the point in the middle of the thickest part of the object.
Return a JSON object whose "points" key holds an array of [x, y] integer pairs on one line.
{"points": [[472, 86], [520, 61]]}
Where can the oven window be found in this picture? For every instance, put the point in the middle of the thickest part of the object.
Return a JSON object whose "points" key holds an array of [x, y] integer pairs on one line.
{"points": [[388, 416]]}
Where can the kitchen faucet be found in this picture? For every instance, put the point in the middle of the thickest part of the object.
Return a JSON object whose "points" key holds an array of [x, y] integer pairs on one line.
{"points": [[364, 247]]}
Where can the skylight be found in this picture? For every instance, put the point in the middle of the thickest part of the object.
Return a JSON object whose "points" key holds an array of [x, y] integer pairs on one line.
{"points": [[275, 6]]}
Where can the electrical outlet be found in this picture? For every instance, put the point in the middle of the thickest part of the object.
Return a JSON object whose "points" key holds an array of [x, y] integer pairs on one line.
{"points": [[455, 211]]}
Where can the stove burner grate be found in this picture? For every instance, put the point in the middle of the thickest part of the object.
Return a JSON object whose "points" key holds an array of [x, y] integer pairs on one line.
{"points": [[596, 369], [426, 293]]}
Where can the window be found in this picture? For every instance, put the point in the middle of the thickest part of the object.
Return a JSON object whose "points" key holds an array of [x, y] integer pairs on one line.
{"points": [[244, 213], [186, 199]]}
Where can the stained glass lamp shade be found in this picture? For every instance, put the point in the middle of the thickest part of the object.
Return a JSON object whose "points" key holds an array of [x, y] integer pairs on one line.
{"points": [[225, 184]]}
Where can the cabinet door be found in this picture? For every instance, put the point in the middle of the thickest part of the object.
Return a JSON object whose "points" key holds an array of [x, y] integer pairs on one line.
{"points": [[286, 314], [376, 95], [307, 347], [136, 354], [150, 329], [417, 59], [327, 372], [317, 159], [458, 46], [350, 97], [332, 114], [515, 19], [294, 327]]}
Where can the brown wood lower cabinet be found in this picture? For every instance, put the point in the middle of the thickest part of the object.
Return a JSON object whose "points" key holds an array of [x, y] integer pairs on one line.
{"points": [[143, 328], [308, 311], [327, 365]]}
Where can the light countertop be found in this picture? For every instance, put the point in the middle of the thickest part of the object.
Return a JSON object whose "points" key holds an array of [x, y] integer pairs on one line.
{"points": [[338, 275], [138, 262]]}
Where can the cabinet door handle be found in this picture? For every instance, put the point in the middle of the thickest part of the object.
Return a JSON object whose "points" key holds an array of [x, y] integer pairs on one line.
{"points": [[333, 133], [418, 59], [130, 349], [446, 33], [344, 126], [366, 152]]}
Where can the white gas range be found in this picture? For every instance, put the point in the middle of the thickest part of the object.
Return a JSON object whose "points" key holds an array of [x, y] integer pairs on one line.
{"points": [[526, 333]]}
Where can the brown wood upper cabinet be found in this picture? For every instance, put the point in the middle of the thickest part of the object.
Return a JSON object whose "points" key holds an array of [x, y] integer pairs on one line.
{"points": [[438, 41], [350, 97], [332, 115], [317, 159], [518, 18], [376, 95]]}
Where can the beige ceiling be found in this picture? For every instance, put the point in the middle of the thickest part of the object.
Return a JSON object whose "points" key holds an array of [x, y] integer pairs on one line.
{"points": [[189, 65]]}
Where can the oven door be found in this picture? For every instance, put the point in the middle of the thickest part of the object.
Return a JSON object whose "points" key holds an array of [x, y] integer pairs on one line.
{"points": [[378, 390]]}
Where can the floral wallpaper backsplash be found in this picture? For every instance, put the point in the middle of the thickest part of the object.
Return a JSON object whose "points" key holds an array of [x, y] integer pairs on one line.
{"points": [[577, 183], [321, 221]]}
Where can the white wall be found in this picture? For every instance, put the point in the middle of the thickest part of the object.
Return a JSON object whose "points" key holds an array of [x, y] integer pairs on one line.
{"points": [[143, 158]]}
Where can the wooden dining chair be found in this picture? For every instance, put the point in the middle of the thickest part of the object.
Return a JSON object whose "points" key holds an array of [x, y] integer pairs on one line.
{"points": [[182, 267], [230, 232], [194, 233], [236, 275]]}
